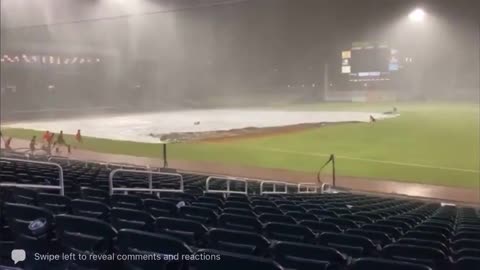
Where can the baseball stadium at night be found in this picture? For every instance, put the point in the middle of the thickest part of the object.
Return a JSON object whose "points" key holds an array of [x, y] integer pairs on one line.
{"points": [[240, 134]]}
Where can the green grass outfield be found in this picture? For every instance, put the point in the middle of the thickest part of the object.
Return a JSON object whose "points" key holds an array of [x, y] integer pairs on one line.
{"points": [[429, 143]]}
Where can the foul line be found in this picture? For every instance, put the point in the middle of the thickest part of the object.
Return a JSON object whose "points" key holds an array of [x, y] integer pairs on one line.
{"points": [[366, 159]]}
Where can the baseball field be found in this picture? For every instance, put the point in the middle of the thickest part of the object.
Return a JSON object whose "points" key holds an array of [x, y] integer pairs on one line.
{"points": [[430, 143]]}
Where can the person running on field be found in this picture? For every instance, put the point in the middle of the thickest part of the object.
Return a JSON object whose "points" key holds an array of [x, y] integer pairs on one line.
{"points": [[78, 137], [8, 142], [46, 136], [61, 142], [33, 143]]}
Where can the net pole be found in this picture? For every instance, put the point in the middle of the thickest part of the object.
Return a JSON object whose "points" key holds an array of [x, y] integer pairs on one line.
{"points": [[165, 161], [333, 169]]}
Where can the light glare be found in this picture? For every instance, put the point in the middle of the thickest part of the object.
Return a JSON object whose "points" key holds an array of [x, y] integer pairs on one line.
{"points": [[417, 15]]}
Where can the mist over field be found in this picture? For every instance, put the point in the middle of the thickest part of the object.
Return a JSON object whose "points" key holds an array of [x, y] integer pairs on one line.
{"points": [[95, 57]]}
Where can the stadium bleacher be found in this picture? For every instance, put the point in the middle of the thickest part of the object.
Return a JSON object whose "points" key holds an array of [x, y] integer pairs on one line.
{"points": [[261, 231]]}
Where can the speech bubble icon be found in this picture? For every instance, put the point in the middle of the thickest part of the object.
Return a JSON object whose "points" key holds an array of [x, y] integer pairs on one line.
{"points": [[18, 255]]}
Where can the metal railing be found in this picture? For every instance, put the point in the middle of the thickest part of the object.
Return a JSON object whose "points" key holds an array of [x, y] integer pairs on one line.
{"points": [[68, 159], [228, 180], [127, 166], [275, 189], [61, 186], [303, 188], [150, 181]]}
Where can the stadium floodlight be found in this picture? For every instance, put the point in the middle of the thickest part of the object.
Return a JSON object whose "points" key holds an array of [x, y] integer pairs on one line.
{"points": [[417, 15]]}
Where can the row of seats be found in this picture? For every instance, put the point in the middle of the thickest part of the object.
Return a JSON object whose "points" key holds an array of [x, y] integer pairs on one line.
{"points": [[297, 231]]}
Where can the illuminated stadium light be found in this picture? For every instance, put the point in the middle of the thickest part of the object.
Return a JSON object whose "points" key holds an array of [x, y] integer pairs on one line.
{"points": [[82, 60], [66, 61], [98, 60], [43, 59], [417, 15], [74, 60]]}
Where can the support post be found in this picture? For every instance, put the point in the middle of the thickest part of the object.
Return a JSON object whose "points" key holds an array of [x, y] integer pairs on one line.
{"points": [[333, 169], [165, 161]]}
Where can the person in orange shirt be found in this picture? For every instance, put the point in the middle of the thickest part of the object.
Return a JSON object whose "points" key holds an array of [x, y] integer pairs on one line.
{"points": [[46, 136]]}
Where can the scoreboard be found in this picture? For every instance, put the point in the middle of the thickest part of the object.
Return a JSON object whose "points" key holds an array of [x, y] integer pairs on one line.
{"points": [[369, 61]]}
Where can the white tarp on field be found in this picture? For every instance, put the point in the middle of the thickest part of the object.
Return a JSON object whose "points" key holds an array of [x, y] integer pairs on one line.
{"points": [[139, 127]]}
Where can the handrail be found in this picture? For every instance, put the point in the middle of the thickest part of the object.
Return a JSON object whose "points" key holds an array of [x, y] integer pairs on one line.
{"points": [[284, 184], [228, 190], [150, 184], [61, 186], [127, 165], [323, 188], [309, 188]]}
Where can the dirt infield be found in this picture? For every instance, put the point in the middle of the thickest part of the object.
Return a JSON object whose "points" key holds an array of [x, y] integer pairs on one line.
{"points": [[470, 196], [247, 133]]}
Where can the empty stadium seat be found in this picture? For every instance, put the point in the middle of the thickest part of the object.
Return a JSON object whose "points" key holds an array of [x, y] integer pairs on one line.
{"points": [[389, 230], [322, 213], [426, 236], [267, 210], [237, 241], [125, 218], [359, 219], [93, 194], [424, 243], [237, 204], [343, 223], [416, 254], [306, 256], [234, 261], [466, 235], [288, 232], [238, 211], [58, 204], [434, 229], [146, 243], [93, 209], [201, 214], [402, 226], [276, 218], [320, 226], [466, 263], [126, 201], [291, 208], [189, 231], [239, 222], [353, 245], [377, 237], [206, 199], [299, 216], [210, 206], [465, 243], [160, 208], [377, 263], [84, 235]]}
